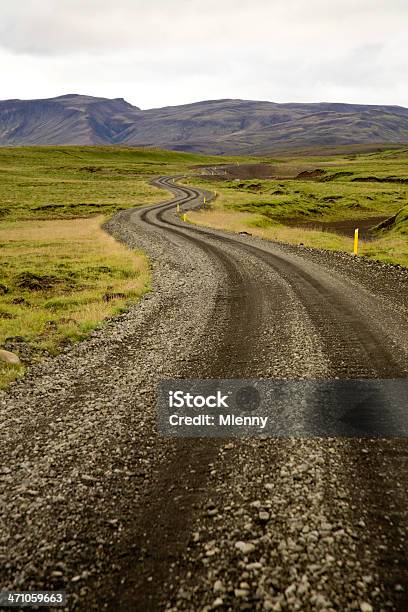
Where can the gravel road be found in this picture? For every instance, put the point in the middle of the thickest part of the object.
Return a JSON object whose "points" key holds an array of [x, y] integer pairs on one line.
{"points": [[93, 501]]}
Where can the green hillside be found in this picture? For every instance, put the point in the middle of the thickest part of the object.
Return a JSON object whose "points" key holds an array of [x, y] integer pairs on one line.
{"points": [[66, 182]]}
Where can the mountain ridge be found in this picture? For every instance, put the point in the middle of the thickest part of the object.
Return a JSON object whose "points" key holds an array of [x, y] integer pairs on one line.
{"points": [[230, 126]]}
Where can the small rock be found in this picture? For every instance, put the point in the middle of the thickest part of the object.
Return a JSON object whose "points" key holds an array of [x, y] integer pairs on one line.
{"points": [[321, 602], [218, 587], [8, 357], [290, 590], [255, 504], [302, 589], [254, 566], [264, 517], [366, 607], [245, 547], [183, 594], [32, 492]]}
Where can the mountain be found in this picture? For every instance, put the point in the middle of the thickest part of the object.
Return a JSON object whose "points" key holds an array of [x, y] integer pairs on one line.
{"points": [[70, 119], [215, 126]]}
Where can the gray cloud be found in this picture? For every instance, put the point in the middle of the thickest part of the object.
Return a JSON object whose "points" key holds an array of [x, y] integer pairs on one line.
{"points": [[166, 52]]}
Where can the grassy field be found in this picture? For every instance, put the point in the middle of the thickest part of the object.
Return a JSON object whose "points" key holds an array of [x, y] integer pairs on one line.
{"points": [[60, 278], [308, 199], [66, 182]]}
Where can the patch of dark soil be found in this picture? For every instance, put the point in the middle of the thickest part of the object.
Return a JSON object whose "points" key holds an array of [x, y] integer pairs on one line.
{"points": [[249, 187], [51, 206], [36, 282], [310, 175], [91, 169], [20, 301], [332, 198], [377, 179], [3, 289], [336, 175], [278, 192], [108, 297], [99, 270], [345, 227], [109, 170], [387, 223], [6, 315]]}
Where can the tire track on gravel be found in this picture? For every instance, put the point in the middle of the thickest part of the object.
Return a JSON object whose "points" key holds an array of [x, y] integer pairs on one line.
{"points": [[355, 348], [161, 532]]}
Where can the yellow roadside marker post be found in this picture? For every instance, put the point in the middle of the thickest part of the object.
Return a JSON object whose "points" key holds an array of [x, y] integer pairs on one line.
{"points": [[184, 217], [204, 200], [356, 241], [178, 208]]}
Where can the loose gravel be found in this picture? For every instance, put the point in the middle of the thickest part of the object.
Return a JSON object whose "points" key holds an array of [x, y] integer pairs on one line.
{"points": [[278, 533]]}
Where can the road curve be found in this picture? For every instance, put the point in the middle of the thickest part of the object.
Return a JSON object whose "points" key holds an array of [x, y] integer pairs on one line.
{"points": [[365, 349], [95, 502], [289, 313]]}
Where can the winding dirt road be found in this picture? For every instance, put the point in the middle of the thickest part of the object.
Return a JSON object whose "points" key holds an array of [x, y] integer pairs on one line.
{"points": [[266, 288], [138, 522]]}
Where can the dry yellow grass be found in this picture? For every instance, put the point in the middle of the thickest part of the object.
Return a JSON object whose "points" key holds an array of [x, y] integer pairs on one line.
{"points": [[83, 274], [238, 222]]}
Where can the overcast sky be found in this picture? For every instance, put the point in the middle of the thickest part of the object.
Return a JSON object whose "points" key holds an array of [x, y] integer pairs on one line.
{"points": [[161, 52]]}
